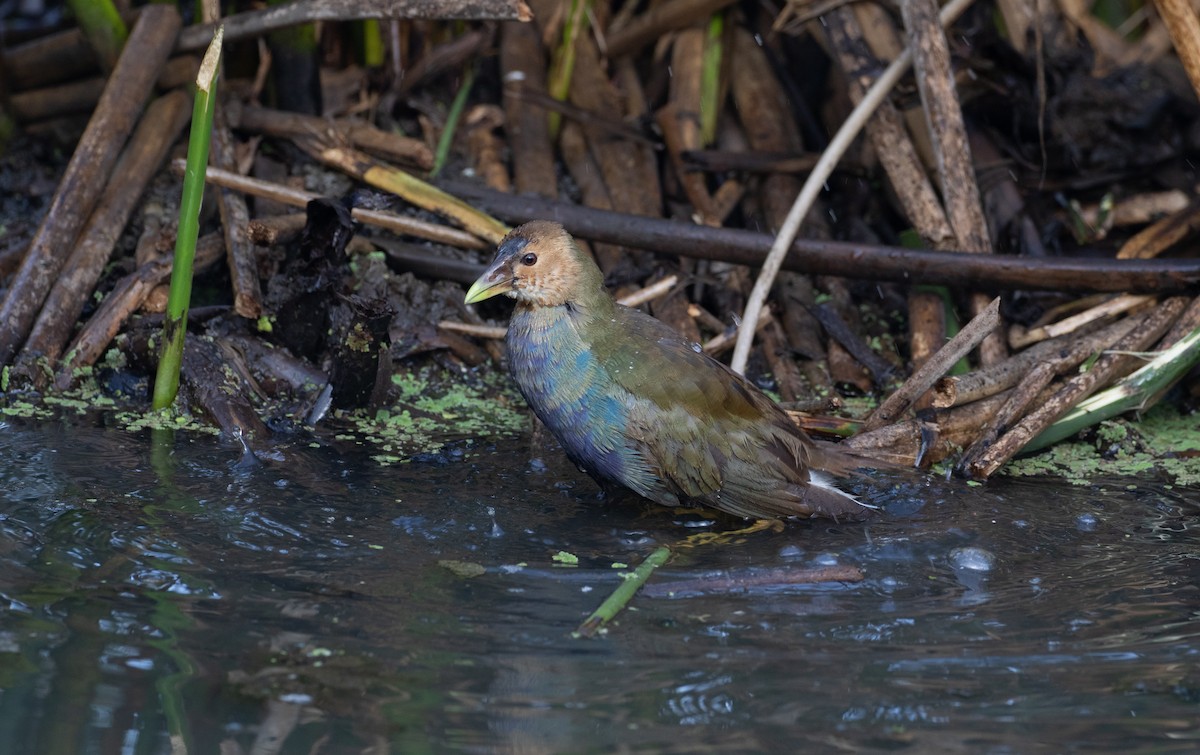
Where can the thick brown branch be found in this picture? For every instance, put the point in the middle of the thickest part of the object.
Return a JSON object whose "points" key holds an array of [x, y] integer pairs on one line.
{"points": [[863, 261]]}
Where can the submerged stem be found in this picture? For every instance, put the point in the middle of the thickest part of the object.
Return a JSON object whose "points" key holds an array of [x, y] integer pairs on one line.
{"points": [[624, 593]]}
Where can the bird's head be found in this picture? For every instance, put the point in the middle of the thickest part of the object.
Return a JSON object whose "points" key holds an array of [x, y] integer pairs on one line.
{"points": [[540, 264]]}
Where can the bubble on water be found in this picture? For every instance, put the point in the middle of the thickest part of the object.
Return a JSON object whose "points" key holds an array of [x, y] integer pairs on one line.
{"points": [[826, 559], [1086, 522], [972, 559], [791, 551], [296, 698]]}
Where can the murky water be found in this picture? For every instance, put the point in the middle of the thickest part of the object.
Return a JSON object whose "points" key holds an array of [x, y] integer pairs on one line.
{"points": [[156, 598]]}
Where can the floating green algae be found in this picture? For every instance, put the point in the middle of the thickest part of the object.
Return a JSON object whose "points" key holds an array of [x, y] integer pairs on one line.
{"points": [[433, 407], [1161, 441]]}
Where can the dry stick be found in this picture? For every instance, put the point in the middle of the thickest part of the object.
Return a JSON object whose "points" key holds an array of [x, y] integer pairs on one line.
{"points": [[259, 22], [154, 242], [947, 431], [53, 58], [679, 118], [939, 364], [420, 260], [1032, 386], [214, 382], [485, 148], [913, 189], [668, 119], [729, 584], [723, 341], [413, 190], [261, 120], [458, 52], [649, 293], [813, 186], [1187, 322], [296, 198], [1157, 238], [264, 358], [522, 64], [1139, 209], [147, 148], [1063, 352], [125, 299], [56, 101], [493, 332], [760, 101], [82, 96], [960, 189], [83, 181], [1019, 400], [919, 441], [850, 260], [656, 21], [1019, 337], [1080, 387], [1184, 28], [1136, 392], [628, 168], [276, 229], [235, 217]]}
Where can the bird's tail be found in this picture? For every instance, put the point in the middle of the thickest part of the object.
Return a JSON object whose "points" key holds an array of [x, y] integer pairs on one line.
{"points": [[827, 499]]}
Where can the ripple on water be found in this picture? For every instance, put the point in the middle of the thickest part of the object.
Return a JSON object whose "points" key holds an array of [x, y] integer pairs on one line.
{"points": [[312, 580]]}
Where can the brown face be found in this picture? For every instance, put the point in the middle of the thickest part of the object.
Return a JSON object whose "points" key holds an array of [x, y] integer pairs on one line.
{"points": [[534, 263]]}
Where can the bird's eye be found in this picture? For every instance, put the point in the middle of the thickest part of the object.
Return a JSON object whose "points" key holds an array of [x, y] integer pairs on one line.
{"points": [[529, 259]]}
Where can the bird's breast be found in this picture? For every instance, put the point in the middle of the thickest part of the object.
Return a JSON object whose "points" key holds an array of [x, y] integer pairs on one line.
{"points": [[568, 388]]}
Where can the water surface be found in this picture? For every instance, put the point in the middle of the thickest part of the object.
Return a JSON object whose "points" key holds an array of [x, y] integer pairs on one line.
{"points": [[179, 595]]}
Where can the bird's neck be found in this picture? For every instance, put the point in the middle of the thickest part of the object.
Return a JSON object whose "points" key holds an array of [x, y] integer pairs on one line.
{"points": [[581, 307]]}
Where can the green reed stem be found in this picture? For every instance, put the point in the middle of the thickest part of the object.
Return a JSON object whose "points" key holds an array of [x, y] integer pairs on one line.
{"points": [[103, 26], [562, 67], [710, 79], [453, 118], [166, 382]]}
